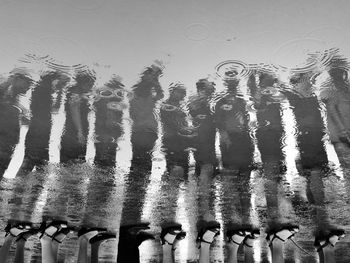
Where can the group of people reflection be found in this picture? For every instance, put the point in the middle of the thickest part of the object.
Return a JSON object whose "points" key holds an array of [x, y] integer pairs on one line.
{"points": [[52, 234], [190, 127]]}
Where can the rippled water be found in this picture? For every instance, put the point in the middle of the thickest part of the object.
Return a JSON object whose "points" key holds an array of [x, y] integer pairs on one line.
{"points": [[259, 144]]}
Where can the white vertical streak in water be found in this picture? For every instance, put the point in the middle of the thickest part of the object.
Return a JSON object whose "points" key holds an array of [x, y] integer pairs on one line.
{"points": [[218, 218], [158, 169], [90, 144], [257, 250], [182, 217], [289, 144], [152, 192], [18, 153], [333, 160], [58, 118], [40, 203]]}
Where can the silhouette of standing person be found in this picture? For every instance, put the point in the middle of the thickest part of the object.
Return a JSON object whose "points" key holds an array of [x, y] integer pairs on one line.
{"points": [[16, 85], [237, 150], [109, 107], [203, 118], [144, 134], [37, 139], [74, 139], [176, 137]]}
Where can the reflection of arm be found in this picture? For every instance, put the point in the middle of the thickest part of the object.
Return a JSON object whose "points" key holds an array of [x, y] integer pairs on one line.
{"points": [[334, 115], [74, 108]]}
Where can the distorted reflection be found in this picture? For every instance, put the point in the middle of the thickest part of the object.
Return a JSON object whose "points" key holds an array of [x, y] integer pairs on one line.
{"points": [[249, 166]]}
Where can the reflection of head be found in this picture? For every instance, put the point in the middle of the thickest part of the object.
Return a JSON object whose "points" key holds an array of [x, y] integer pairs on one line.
{"points": [[84, 82], [151, 73], [20, 83], [177, 91], [114, 83], [267, 80], [205, 87], [149, 83]]}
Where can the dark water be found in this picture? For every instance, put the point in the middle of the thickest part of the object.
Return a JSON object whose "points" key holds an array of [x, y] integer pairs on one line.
{"points": [[258, 145]]}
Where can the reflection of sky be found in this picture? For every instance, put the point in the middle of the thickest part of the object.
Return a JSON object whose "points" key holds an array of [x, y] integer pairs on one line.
{"points": [[196, 34]]}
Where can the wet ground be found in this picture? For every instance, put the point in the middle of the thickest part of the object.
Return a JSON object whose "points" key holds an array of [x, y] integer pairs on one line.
{"points": [[253, 149]]}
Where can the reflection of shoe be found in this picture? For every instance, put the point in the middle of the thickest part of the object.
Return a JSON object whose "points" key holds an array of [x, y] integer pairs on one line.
{"points": [[208, 232], [60, 235], [15, 228], [143, 236], [134, 228], [52, 228], [253, 234], [330, 239], [85, 230], [169, 233], [26, 234], [236, 235], [101, 237], [283, 233]]}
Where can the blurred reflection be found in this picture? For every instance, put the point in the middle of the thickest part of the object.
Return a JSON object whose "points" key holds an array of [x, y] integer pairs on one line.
{"points": [[37, 139], [204, 144], [313, 162], [337, 101], [270, 135], [237, 151], [11, 113], [146, 93], [109, 106], [74, 139]]}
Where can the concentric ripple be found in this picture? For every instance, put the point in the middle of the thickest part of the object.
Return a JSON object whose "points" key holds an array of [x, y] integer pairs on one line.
{"points": [[232, 69]]}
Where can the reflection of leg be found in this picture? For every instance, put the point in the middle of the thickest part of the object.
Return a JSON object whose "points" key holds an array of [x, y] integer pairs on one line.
{"points": [[130, 238], [84, 235], [12, 231], [19, 254], [204, 189], [316, 197], [57, 239], [248, 246], [4, 250], [168, 237], [276, 241], [325, 245], [20, 243], [244, 196], [235, 239], [96, 242], [206, 237]]}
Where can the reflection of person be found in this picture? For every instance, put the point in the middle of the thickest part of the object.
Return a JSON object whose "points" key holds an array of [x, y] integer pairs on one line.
{"points": [[144, 133], [270, 134], [15, 86], [204, 142], [109, 107], [231, 119], [37, 139], [74, 139], [338, 109], [175, 130], [313, 157]]}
